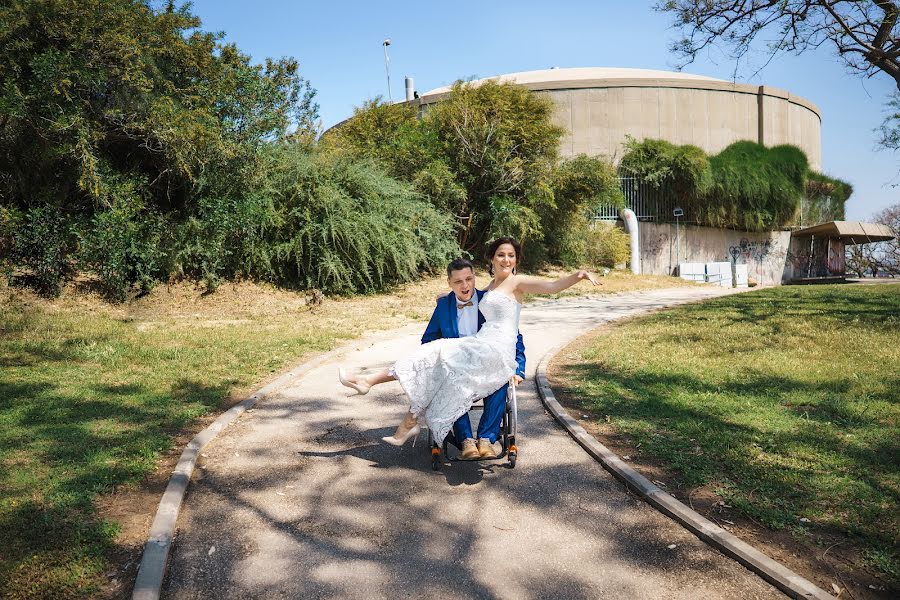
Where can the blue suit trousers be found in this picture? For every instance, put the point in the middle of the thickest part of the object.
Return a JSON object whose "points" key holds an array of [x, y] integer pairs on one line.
{"points": [[488, 426]]}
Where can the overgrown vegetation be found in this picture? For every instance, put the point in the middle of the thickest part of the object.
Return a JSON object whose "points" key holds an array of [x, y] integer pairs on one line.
{"points": [[746, 186], [139, 149], [487, 154], [343, 226], [718, 393], [824, 200], [754, 188], [681, 171]]}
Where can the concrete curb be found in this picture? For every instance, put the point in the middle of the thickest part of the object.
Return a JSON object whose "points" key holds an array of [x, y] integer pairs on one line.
{"points": [[775, 573], [152, 569]]}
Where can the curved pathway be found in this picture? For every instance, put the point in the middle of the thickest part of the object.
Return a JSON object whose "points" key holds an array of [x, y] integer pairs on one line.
{"points": [[299, 498]]}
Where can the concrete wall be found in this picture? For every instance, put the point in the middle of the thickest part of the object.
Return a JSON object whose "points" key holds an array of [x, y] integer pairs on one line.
{"points": [[710, 115], [765, 254]]}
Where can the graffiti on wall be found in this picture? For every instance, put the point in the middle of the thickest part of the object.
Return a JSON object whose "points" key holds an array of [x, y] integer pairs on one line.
{"points": [[747, 251], [654, 245], [765, 254]]}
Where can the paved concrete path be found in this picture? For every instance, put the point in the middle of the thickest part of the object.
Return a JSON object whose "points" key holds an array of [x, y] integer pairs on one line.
{"points": [[300, 499]]}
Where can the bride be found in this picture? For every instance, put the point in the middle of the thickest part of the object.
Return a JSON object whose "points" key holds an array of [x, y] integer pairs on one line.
{"points": [[444, 377]]}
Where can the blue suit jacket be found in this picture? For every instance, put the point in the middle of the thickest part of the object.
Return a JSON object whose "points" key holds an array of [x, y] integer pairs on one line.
{"points": [[443, 324]]}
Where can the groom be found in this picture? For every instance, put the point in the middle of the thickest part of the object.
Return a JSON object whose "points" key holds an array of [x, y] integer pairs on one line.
{"points": [[457, 315]]}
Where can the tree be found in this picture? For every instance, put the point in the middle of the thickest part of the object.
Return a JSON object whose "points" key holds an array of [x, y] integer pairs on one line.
{"points": [[878, 257], [499, 141], [864, 34], [890, 251], [96, 89], [120, 121], [485, 154]]}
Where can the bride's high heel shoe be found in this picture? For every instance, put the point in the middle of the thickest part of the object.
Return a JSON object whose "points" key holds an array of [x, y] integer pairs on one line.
{"points": [[404, 432], [361, 388]]}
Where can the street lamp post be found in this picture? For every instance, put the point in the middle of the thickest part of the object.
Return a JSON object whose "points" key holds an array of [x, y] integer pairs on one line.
{"points": [[385, 44]]}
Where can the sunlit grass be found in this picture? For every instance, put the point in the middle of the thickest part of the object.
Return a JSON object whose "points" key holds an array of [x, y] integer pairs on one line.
{"points": [[786, 401], [92, 394]]}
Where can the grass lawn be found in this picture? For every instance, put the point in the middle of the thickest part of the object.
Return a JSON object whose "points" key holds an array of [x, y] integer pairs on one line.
{"points": [[92, 395], [784, 401]]}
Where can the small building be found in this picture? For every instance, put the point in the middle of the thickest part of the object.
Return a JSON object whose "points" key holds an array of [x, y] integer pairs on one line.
{"points": [[817, 253]]}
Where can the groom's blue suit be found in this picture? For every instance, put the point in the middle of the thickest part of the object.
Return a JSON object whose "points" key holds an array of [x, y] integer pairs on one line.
{"points": [[443, 324]]}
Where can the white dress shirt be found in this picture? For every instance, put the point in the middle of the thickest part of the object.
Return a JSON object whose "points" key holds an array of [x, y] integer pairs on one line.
{"points": [[467, 317]]}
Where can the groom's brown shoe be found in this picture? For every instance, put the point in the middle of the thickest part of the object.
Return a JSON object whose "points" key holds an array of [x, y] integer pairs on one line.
{"points": [[486, 448], [469, 450]]}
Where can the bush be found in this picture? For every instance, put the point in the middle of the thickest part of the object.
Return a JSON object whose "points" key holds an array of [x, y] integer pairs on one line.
{"points": [[9, 223], [121, 241], [754, 188], [224, 239], [43, 245], [345, 227], [581, 185], [122, 246], [683, 172], [825, 199], [607, 246]]}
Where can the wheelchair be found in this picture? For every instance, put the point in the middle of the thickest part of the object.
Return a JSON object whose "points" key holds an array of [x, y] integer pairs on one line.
{"points": [[440, 453]]}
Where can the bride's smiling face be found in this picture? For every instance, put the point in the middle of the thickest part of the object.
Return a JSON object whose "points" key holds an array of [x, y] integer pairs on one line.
{"points": [[504, 260]]}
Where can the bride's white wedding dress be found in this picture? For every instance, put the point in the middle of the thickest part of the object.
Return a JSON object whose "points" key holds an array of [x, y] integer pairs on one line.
{"points": [[444, 377]]}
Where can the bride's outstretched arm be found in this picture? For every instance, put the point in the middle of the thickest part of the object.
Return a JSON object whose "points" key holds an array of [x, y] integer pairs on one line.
{"points": [[531, 285]]}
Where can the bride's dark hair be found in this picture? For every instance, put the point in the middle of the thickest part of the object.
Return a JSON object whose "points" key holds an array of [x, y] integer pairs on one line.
{"points": [[492, 250]]}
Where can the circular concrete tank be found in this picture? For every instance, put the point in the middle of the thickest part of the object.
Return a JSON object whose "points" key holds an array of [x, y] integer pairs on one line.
{"points": [[600, 107]]}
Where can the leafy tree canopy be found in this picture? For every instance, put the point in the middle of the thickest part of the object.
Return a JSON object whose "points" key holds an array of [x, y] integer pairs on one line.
{"points": [[91, 88], [486, 154]]}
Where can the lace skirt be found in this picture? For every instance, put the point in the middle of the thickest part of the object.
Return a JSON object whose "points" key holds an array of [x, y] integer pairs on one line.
{"points": [[444, 377]]}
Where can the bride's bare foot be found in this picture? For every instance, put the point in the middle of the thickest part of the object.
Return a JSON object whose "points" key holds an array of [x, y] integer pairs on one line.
{"points": [[361, 387]]}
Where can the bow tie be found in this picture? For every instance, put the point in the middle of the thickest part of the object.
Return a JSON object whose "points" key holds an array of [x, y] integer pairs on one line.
{"points": [[461, 305]]}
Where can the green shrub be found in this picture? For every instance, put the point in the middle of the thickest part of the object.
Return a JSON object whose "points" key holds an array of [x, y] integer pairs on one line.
{"points": [[121, 241], [825, 199], [344, 226], [224, 239], [10, 220], [581, 185], [754, 188], [606, 246], [681, 172], [43, 245], [122, 246]]}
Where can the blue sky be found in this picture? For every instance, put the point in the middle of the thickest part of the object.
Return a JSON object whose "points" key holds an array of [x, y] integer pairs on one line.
{"points": [[339, 47]]}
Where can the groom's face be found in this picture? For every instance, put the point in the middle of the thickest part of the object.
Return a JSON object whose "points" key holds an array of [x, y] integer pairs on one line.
{"points": [[462, 282]]}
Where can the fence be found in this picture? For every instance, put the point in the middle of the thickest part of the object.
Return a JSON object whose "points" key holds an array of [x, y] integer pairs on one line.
{"points": [[647, 202], [652, 204]]}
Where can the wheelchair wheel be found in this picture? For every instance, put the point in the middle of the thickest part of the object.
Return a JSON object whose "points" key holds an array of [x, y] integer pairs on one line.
{"points": [[512, 451]]}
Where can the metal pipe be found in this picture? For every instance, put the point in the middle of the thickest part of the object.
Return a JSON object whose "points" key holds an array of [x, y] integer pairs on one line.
{"points": [[631, 226]]}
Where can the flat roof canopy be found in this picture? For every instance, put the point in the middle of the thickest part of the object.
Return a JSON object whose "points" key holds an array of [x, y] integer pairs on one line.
{"points": [[851, 232]]}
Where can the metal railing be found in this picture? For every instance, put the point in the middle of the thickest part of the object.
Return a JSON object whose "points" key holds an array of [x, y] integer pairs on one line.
{"points": [[647, 202]]}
